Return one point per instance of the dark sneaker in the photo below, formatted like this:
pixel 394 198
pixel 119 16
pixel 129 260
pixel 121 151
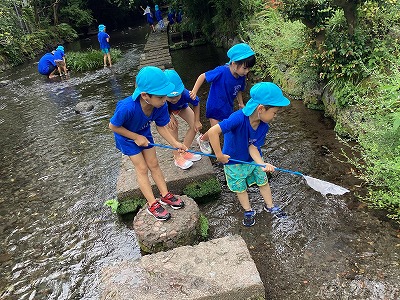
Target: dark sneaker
pixel 249 218
pixel 276 211
pixel 158 212
pixel 171 200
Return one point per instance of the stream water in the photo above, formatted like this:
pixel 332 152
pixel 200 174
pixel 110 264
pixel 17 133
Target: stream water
pixel 57 168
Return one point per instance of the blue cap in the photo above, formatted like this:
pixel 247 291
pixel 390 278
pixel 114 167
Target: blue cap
pixel 152 80
pixel 60 48
pixel 173 77
pixel 265 93
pixel 239 52
pixel 156 7
pixel 102 27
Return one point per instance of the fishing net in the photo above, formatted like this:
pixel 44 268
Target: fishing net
pixel 325 187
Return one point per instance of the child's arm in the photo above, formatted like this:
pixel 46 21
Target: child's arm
pixel 213 135
pixel 139 140
pixel 200 80
pixel 255 155
pixel 164 132
pixel 197 123
pixel 240 99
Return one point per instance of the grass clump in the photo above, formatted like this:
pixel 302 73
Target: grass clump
pixel 89 60
pixel 200 190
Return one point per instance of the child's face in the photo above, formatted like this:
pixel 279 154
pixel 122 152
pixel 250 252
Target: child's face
pixel 241 70
pixel 175 99
pixel 154 100
pixel 267 115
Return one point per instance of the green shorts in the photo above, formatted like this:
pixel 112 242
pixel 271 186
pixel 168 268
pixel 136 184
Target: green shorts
pixel 240 176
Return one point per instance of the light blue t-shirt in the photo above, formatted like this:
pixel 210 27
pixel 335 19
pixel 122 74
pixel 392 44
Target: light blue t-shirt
pixel 239 135
pixel 129 114
pixel 223 91
pixel 183 102
pixel 102 38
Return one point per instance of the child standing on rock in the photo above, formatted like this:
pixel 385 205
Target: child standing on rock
pixel 131 126
pixel 104 41
pixel 178 105
pixel 244 133
pixel 227 83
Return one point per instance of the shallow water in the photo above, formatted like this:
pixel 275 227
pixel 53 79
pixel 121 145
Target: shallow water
pixel 58 167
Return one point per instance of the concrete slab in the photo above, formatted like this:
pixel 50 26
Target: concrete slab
pixel 220 269
pixel 176 178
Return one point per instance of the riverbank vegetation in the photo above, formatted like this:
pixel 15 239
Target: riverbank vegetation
pixel 339 56
pixel 90 59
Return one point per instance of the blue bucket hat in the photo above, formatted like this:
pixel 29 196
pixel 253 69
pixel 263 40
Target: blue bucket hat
pixel 265 93
pixel 173 77
pixel 60 48
pixel 102 27
pixel 239 52
pixel 156 7
pixel 152 80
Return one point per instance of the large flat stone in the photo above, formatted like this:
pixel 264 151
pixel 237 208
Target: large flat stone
pixel 220 269
pixel 176 178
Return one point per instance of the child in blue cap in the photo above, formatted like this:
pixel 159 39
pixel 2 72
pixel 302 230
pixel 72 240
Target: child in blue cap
pixel 159 18
pixel 131 126
pixel 244 133
pixel 178 105
pixel 149 17
pixel 104 41
pixel 227 83
pixel 59 58
pixel 47 66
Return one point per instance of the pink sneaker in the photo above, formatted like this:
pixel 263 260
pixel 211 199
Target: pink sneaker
pixel 191 156
pixel 182 163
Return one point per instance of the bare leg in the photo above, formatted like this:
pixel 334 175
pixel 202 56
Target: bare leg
pixel 142 174
pixel 265 192
pixel 188 115
pixel 244 200
pixel 212 123
pixel 109 58
pixel 105 60
pixel 156 173
pixel 174 133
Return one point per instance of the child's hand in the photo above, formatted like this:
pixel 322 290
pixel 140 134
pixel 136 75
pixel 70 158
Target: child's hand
pixel 223 158
pixel 192 95
pixel 141 141
pixel 197 126
pixel 173 123
pixel 181 147
pixel 268 168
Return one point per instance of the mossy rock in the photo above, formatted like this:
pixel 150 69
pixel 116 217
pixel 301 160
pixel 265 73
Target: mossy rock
pixel 130 205
pixel 201 190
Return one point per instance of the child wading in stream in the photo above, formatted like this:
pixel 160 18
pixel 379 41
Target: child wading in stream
pixel 227 83
pixel 178 105
pixel 131 126
pixel 244 133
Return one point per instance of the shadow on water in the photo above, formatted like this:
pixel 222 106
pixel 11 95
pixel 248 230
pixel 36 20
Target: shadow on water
pixel 58 167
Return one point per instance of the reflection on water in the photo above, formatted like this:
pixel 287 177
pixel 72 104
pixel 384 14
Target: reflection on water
pixel 58 167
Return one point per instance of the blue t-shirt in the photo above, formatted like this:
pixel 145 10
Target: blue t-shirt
pixel 183 102
pixel 102 38
pixel 159 15
pixel 46 64
pixel 171 17
pixel 58 55
pixel 129 114
pixel 239 135
pixel 223 91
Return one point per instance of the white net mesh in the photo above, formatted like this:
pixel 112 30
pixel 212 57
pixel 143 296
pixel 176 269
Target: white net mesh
pixel 325 187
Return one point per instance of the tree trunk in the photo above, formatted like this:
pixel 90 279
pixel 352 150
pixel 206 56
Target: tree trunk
pixel 55 11
pixel 350 13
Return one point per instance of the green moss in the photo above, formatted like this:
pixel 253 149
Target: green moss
pixel 129 206
pixel 203 226
pixel 199 190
